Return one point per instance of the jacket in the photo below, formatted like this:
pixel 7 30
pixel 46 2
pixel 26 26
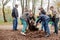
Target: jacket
pixel 15 12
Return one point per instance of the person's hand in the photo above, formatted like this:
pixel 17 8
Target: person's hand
pixel 37 23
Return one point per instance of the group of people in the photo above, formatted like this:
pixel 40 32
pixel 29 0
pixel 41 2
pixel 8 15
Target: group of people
pixel 29 21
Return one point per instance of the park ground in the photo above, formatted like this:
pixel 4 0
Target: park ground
pixel 6 33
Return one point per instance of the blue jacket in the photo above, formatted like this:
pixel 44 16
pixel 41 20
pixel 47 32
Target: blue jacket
pixel 42 17
pixel 15 12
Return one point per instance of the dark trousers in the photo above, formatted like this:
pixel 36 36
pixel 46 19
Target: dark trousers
pixel 55 22
pixel 15 23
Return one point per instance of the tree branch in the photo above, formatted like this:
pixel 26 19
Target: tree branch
pixel 6 2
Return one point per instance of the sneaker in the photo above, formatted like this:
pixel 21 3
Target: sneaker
pixel 47 35
pixel 23 33
pixel 15 29
pixel 55 33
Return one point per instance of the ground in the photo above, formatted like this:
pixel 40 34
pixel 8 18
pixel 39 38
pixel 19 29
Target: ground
pixel 6 33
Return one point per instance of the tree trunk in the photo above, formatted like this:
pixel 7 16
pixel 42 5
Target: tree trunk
pixel 48 5
pixel 5 20
pixel 26 3
pixel 33 6
pixel 41 3
pixel 22 5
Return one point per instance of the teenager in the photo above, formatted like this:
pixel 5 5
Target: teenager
pixel 31 22
pixel 45 20
pixel 15 17
pixel 55 19
pixel 24 21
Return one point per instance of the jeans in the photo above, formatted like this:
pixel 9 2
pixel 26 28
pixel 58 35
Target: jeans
pixel 56 25
pixel 24 25
pixel 42 25
pixel 45 26
pixel 15 23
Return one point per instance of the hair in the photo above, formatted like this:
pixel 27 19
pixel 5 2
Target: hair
pixel 16 5
pixel 43 12
pixel 51 7
pixel 40 8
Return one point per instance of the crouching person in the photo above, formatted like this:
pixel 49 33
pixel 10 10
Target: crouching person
pixel 45 20
pixel 24 21
pixel 31 22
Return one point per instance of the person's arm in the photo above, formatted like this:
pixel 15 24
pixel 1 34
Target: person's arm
pixel 33 18
pixel 13 12
pixel 38 19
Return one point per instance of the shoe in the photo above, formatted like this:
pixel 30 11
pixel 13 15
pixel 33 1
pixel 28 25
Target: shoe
pixel 15 29
pixel 55 33
pixel 47 35
pixel 23 33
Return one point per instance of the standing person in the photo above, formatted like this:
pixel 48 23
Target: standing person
pixel 45 20
pixel 24 21
pixel 15 17
pixel 55 19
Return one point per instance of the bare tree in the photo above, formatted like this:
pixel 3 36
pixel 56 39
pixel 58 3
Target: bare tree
pixel 41 3
pixel 48 5
pixel 33 5
pixel 3 5
pixel 26 3
pixel 22 5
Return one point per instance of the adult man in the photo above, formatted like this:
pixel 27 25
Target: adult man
pixel 15 17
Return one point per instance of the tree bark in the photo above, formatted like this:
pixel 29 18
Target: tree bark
pixel 26 3
pixel 33 6
pixel 48 5
pixel 22 5
pixel 41 3
pixel 4 3
pixel 5 20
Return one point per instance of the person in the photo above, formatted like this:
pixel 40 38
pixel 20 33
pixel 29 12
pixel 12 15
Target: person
pixel 55 19
pixel 42 11
pixel 24 21
pixel 31 22
pixel 45 20
pixel 15 17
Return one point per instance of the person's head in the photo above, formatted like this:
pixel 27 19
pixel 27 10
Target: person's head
pixel 52 8
pixel 30 12
pixel 42 11
pixel 16 5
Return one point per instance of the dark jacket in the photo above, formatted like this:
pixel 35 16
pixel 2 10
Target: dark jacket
pixel 42 17
pixel 15 12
